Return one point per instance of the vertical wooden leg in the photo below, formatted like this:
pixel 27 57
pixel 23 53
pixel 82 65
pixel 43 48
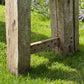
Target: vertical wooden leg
pixel 76 24
pixel 54 22
pixel 18 29
pixel 63 26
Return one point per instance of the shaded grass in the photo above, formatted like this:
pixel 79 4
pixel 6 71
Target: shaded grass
pixel 46 67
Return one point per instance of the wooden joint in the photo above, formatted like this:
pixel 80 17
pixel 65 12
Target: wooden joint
pixel 44 45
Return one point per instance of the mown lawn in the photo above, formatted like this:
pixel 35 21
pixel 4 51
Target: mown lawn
pixel 46 67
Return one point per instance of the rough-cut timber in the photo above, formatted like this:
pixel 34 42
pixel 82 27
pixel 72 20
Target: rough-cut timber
pixel 64 23
pixel 44 45
pixel 54 23
pixel 18 30
pixel 76 24
pixel 53 14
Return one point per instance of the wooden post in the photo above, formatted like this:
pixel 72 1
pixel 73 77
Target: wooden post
pixel 63 17
pixel 54 22
pixel 76 24
pixel 18 30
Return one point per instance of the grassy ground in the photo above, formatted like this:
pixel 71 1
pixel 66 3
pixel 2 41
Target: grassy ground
pixel 46 67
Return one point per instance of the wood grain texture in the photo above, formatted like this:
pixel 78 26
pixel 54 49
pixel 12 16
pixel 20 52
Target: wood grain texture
pixel 44 45
pixel 18 30
pixel 54 21
pixel 53 14
pixel 63 25
pixel 76 24
pixel 65 16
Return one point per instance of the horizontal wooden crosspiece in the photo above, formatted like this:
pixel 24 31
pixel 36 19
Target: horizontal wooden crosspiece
pixel 44 45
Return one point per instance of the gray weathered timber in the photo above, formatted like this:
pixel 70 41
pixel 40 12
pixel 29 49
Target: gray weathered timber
pixel 54 23
pixel 76 24
pixel 64 25
pixel 44 45
pixel 53 14
pixel 18 30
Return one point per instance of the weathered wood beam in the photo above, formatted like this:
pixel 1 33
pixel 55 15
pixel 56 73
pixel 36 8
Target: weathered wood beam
pixel 53 14
pixel 62 13
pixel 44 45
pixel 54 22
pixel 76 24
pixel 18 29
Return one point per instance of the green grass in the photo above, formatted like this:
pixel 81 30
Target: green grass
pixel 46 67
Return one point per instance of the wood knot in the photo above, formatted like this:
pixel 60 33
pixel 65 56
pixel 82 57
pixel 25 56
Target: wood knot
pixel 14 23
pixel 68 2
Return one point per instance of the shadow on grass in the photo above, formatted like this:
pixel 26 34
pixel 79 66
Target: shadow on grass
pixel 37 37
pixel 42 71
pixel 2 32
pixel 72 68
